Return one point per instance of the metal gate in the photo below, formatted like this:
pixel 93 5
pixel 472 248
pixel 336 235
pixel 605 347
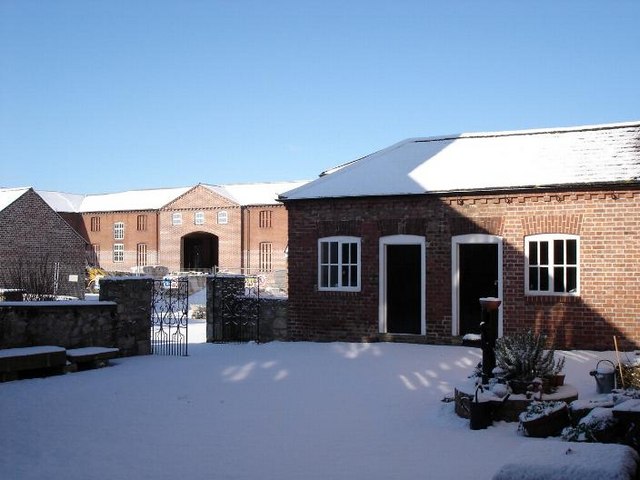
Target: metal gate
pixel 170 316
pixel 236 308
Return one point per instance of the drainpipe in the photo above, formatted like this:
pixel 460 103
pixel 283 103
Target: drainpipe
pixel 245 228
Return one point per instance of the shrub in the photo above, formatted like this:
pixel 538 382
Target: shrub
pixel 524 356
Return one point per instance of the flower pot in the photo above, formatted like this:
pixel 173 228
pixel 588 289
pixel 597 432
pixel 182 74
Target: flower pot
pixel 556 380
pixel 519 387
pixel 549 425
pixel 481 415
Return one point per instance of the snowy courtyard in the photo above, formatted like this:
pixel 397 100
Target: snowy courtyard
pixel 260 411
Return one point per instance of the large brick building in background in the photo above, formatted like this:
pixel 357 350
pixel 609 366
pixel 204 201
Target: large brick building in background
pixel 402 243
pixel 239 227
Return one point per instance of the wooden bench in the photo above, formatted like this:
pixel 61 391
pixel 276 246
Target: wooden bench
pixel 29 362
pixel 91 357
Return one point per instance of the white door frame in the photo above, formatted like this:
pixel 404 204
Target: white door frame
pixel 456 241
pixel 382 307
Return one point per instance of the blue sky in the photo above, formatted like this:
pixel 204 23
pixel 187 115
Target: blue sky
pixel 102 96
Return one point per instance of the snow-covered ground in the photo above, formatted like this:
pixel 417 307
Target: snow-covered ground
pixel 271 411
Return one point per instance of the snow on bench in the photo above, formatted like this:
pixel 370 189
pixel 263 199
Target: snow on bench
pixel 557 460
pixel 31 361
pixel 91 357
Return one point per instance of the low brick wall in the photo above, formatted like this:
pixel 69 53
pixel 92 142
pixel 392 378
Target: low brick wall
pixel 121 319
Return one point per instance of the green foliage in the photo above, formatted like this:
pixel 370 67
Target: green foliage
pixel 537 409
pixel 597 426
pixel 524 356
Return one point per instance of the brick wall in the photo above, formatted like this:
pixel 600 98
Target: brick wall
pixel 201 199
pixel 607 223
pixel 273 232
pixel 34 236
pixel 98 228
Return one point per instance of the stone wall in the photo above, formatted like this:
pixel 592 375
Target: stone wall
pixel 121 319
pixel 272 310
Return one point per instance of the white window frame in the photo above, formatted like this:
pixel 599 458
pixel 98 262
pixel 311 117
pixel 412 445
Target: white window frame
pixel 326 264
pixel 176 218
pixel 223 217
pixel 198 218
pixel 118 231
pixel 551 266
pixel 118 252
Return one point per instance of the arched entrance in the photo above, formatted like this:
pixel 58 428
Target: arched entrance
pixel 199 250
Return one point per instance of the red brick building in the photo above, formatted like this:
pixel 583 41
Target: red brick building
pixel 39 251
pixel 402 243
pixel 238 227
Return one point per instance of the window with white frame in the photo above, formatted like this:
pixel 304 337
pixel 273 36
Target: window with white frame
pixel 552 264
pixel 339 263
pixel 118 252
pixel 176 218
pixel 223 218
pixel 118 231
pixel 198 218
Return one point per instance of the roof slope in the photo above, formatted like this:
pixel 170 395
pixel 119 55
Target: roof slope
pixel 588 155
pixel 247 194
pixel 10 195
pixel 154 199
pixel 132 200
pixel 62 202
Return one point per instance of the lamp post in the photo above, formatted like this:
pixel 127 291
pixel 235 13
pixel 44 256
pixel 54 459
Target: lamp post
pixel 488 335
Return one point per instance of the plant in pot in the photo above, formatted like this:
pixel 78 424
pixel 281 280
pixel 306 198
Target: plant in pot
pixel 544 419
pixel 556 377
pixel 524 357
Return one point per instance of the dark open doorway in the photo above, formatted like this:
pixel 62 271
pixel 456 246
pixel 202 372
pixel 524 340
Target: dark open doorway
pixel 478 265
pixel 199 251
pixel 403 284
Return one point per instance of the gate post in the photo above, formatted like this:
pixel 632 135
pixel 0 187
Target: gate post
pixel 232 314
pixel 133 296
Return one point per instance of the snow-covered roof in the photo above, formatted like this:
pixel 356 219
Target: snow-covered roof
pixel 597 154
pixel 62 202
pixel 247 194
pixel 152 199
pixel 10 195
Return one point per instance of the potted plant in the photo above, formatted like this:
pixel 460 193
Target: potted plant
pixel 524 357
pixel 544 418
pixel 556 376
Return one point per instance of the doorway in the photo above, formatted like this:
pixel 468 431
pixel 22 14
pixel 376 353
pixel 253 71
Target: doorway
pixel 477 272
pixel 402 303
pixel 199 251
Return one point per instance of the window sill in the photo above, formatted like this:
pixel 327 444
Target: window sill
pixel 551 299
